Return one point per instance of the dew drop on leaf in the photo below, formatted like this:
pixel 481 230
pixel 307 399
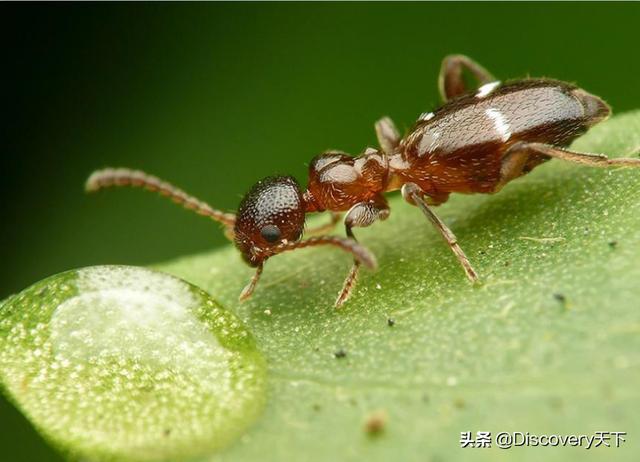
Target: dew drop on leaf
pixel 124 363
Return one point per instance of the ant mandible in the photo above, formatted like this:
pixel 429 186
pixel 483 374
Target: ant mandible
pixel 476 142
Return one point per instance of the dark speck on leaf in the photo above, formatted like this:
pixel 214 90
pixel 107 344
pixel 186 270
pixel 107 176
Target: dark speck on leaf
pixel 560 297
pixel 556 403
pixel 340 353
pixel 316 407
pixel 391 322
pixel 612 244
pixel 375 423
pixel 459 403
pixel 167 432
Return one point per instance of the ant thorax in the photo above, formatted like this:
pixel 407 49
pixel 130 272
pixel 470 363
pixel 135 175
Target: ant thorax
pixel 337 181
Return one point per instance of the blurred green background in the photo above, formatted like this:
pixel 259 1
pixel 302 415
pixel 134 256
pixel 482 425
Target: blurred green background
pixel 216 96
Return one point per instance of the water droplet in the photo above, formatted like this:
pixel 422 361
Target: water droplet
pixel 122 362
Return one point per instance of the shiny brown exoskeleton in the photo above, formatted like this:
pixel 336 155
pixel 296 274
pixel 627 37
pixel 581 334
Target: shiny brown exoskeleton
pixel 477 142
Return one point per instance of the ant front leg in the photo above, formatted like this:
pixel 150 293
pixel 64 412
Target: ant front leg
pixel 414 195
pixel 361 215
pixel 451 80
pixel 250 287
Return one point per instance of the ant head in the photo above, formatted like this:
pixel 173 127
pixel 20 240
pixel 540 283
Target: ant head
pixel 270 214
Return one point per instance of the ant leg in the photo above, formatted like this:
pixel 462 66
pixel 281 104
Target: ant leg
pixel 584 158
pixel 327 227
pixel 513 164
pixel 248 289
pixel 451 81
pixel 437 198
pixel 413 194
pixel 360 215
pixel 110 177
pixel 388 135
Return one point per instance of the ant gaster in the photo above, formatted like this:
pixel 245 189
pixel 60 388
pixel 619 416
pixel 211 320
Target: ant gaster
pixel 476 142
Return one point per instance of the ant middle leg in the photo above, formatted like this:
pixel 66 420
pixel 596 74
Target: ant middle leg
pixel 513 166
pixel 414 195
pixel 327 227
pixel 360 215
pixel 451 80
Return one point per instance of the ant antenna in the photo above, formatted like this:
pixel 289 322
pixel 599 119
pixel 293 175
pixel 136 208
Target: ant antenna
pixel 110 177
pixel 360 253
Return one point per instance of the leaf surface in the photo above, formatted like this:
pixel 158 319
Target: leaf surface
pixel 548 343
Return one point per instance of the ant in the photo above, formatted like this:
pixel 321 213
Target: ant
pixel 476 142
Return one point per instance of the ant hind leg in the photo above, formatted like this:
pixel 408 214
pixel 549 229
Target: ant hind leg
pixel 451 80
pixel 584 158
pixel 414 195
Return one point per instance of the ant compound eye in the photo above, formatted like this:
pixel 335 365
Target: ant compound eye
pixel 270 233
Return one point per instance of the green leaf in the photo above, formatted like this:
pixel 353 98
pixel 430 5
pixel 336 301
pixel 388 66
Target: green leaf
pixel 547 344
pixel 121 363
